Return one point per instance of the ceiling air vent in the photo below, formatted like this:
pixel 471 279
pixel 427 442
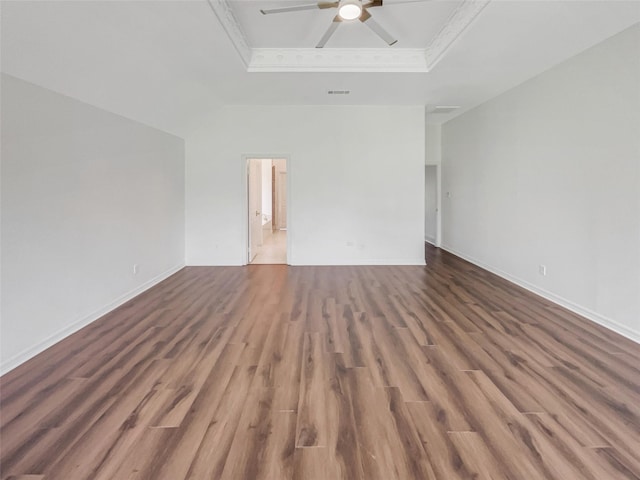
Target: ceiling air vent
pixel 338 92
pixel 444 108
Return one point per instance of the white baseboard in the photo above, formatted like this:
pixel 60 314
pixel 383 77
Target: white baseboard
pixel 317 262
pixel 31 352
pixel 430 240
pixel 552 297
pixel 357 262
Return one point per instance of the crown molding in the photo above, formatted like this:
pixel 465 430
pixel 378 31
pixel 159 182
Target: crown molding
pixel 337 60
pixel 455 25
pixel 420 60
pixel 234 30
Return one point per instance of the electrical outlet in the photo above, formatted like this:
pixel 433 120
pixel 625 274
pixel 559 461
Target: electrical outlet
pixel 135 268
pixel 542 270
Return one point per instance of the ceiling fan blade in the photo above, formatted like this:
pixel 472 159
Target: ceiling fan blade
pixel 396 2
pixel 330 31
pixel 297 8
pixel 368 20
pixel 322 5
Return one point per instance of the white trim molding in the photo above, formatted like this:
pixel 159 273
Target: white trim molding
pixel 31 352
pixel 457 23
pixel 409 60
pixel 420 262
pixel 552 297
pixel 224 12
pixel 390 59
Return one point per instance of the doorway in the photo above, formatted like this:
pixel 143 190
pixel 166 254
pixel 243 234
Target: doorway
pixel 267 210
pixel 431 209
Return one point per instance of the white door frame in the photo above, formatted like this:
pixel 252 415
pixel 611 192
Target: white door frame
pixel 244 175
pixel 254 223
pixel 439 204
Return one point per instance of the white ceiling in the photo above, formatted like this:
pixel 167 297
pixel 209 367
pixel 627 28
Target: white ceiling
pixel 169 64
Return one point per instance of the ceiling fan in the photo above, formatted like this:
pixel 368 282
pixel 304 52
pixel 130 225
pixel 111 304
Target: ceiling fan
pixel 348 11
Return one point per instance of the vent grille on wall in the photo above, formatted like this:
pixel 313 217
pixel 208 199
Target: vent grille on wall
pixel 338 92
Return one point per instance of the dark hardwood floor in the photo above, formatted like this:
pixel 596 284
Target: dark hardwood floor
pixel 273 372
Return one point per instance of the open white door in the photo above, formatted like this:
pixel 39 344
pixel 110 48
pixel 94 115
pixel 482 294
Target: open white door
pixel 254 173
pixel 282 201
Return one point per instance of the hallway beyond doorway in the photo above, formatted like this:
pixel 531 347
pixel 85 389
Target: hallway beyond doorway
pixel 267 210
pixel 273 248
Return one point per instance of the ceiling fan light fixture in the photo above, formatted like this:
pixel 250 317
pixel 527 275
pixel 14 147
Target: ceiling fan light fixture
pixel 350 9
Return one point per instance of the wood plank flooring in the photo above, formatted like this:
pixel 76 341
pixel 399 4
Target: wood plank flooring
pixel 272 372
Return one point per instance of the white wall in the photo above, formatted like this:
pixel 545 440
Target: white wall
pixel 549 173
pixel 85 195
pixel 433 146
pixel 356 177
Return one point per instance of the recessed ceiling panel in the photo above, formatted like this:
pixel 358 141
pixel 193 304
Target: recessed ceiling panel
pixel 395 36
pixel 414 25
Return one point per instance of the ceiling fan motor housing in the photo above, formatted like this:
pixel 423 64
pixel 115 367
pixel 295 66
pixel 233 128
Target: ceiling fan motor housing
pixel 350 9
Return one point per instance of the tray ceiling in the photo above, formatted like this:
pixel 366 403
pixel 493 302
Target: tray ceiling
pixel 285 42
pixel 170 64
